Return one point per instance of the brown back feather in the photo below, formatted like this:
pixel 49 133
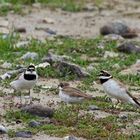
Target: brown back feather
pixel 75 92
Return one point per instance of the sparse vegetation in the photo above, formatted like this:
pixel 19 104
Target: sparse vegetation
pixel 76 119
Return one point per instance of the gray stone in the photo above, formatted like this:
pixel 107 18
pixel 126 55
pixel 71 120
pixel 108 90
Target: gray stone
pixel 30 55
pixel 50 31
pixel 38 110
pixel 123 116
pixel 128 47
pixel 34 123
pixel 6 65
pixel 119 28
pixel 52 58
pixel 24 134
pixel 62 65
pixel 72 68
pixel 70 138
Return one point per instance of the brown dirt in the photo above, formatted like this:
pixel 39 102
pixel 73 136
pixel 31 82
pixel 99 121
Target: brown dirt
pixel 81 24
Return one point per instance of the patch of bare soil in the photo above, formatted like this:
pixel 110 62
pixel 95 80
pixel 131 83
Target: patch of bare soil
pixel 82 24
pixel 40 22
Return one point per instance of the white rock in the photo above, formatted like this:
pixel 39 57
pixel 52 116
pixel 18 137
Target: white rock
pixel 42 65
pixel 3 129
pixel 48 20
pixel 113 37
pixel 36 5
pixel 91 67
pixel 4 30
pixel 30 55
pixel 21 44
pixel 4 23
pixel 47 87
pixel 6 65
pixel 5 76
pixel 138 61
pixel 110 54
pixel 101 46
pixel 116 66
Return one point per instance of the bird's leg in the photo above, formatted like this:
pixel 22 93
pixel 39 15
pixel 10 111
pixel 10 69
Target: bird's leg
pixel 20 98
pixel 107 99
pixel 30 98
pixel 12 101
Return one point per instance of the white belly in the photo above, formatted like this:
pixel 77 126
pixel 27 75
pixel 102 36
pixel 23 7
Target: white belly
pixel 22 84
pixel 68 99
pixel 113 89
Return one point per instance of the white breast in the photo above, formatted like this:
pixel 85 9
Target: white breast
pixel 113 89
pixel 69 99
pixel 22 84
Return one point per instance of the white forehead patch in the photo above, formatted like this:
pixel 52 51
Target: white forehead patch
pixel 105 77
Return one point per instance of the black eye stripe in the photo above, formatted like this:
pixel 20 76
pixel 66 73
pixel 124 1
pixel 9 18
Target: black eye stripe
pixel 30 69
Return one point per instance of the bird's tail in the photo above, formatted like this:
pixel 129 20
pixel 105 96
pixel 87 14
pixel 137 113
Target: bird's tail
pixel 89 97
pixel 135 102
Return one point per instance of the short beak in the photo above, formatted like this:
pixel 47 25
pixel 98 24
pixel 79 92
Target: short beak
pixel 31 71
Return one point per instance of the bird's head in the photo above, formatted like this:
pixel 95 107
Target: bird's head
pixel 104 76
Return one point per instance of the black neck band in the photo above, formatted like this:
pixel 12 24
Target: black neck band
pixel 29 77
pixel 104 80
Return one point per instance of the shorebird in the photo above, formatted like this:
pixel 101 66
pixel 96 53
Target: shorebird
pixel 71 95
pixel 26 81
pixel 116 89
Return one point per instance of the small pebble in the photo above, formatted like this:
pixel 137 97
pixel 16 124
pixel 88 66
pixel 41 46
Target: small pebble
pixel 3 129
pixel 34 123
pixel 123 116
pixel 70 138
pixel 20 30
pixel 21 44
pixel 6 65
pixel 93 107
pixel 110 54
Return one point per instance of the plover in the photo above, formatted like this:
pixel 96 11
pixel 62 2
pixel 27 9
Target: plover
pixel 116 89
pixel 71 95
pixel 26 81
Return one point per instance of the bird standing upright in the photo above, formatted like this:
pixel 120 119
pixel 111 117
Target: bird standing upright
pixel 116 89
pixel 26 81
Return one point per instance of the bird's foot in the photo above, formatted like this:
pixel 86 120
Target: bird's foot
pixel 108 99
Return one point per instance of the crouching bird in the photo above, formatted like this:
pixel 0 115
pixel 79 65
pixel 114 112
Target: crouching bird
pixel 71 95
